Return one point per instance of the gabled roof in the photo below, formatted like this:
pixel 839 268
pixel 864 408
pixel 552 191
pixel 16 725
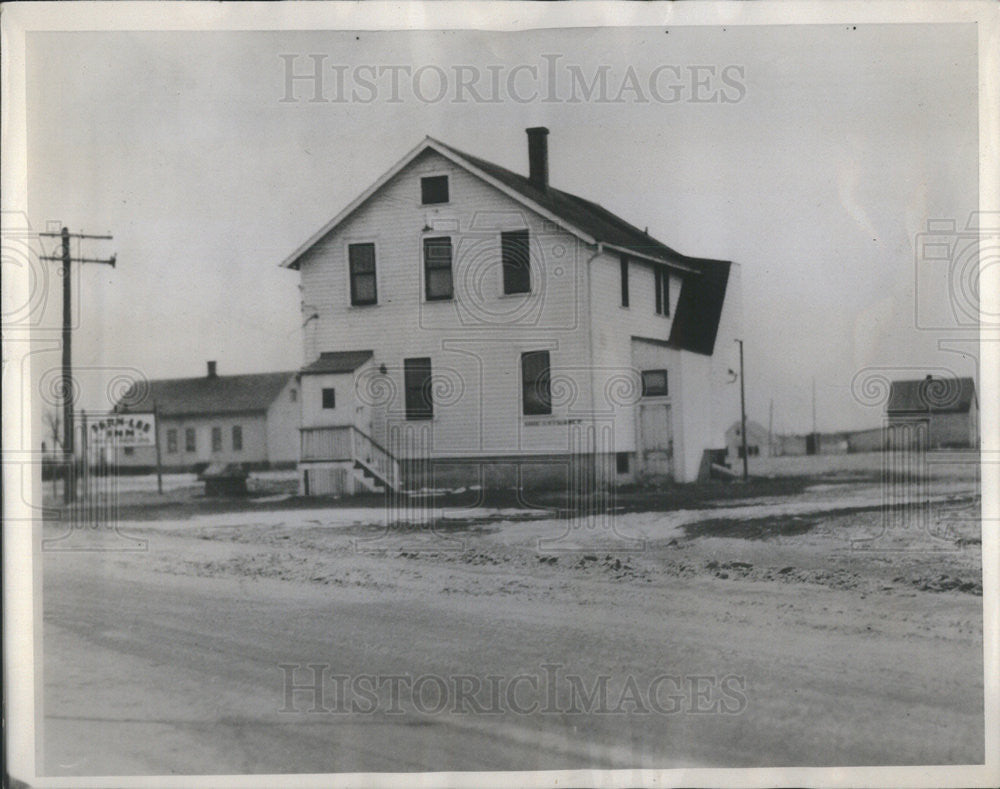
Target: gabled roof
pixel 594 220
pixel 221 394
pixel 934 394
pixel 337 362
pixel 699 307
pixel 755 430
pixel 587 220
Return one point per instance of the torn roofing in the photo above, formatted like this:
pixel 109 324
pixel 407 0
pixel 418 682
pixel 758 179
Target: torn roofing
pixel 223 394
pixel 935 394
pixel 337 362
pixel 699 307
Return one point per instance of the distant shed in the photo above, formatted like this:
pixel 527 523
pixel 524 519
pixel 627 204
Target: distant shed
pixel 945 409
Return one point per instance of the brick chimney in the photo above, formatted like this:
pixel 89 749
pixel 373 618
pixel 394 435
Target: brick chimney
pixel 538 156
pixel 211 370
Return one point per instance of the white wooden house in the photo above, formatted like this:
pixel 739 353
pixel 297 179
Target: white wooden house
pixel 471 326
pixel 250 419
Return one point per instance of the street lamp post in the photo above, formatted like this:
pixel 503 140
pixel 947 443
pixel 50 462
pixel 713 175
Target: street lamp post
pixel 743 418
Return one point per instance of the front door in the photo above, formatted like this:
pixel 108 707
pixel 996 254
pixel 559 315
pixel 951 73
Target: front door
pixel 656 439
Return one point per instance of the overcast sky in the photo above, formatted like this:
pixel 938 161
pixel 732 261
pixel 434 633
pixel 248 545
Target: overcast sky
pixel 832 148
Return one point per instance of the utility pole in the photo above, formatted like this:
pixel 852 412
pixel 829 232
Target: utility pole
pixel 770 428
pixel 69 484
pixel 743 417
pixel 814 405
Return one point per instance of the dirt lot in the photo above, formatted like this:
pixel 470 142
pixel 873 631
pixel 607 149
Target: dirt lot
pixel 847 620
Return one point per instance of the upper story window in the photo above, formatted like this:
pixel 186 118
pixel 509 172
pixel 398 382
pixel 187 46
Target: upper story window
pixel 624 276
pixel 536 384
pixel 434 189
pixel 662 286
pixel 654 383
pixel 437 268
pixel 329 398
pixel 417 385
pixel 293 395
pixel 361 259
pixel 516 262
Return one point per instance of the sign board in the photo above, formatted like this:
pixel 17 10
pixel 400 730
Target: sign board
pixel 122 430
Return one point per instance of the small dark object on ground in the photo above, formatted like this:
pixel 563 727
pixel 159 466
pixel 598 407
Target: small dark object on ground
pixel 225 479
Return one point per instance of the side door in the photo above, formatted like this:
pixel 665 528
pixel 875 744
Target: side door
pixel 656 439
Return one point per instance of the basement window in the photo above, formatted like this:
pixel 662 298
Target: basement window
pixel 654 383
pixel 434 189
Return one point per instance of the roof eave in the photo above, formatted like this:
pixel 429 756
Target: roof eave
pixel 651 259
pixel 292 261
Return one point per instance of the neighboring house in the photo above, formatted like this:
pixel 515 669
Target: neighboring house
pixel 758 441
pixel 471 326
pixel 247 419
pixel 935 412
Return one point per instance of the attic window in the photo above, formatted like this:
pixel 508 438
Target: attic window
pixel 434 189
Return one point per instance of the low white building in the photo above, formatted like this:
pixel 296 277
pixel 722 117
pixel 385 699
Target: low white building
pixel 251 420
pixel 469 325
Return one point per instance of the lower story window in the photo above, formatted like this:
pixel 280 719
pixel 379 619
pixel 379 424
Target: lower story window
pixel 417 385
pixel 536 387
pixel 654 383
pixel 171 441
pixel 237 438
pixel 621 462
pixel 216 439
pixel 190 444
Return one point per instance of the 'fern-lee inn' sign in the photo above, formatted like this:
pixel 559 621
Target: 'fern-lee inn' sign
pixel 124 430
